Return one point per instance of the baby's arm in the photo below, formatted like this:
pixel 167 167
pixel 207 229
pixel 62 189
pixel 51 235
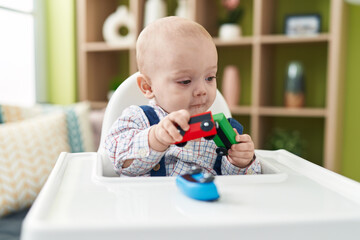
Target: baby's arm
pixel 134 147
pixel 165 132
pixel 242 156
pixel 127 144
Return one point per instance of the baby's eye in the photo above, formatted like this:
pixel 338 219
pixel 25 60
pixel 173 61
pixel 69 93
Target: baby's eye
pixel 209 79
pixel 185 82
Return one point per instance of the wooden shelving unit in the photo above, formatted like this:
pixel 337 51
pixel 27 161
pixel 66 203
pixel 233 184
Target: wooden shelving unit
pixel 278 39
pixel 241 42
pixel 104 47
pixel 261 55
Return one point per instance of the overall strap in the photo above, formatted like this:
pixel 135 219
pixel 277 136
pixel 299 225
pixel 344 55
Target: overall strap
pixel 154 119
pixel 235 124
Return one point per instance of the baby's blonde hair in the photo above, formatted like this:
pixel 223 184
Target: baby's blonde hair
pixel 168 29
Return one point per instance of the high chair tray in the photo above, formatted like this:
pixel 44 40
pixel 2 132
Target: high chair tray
pixel 292 199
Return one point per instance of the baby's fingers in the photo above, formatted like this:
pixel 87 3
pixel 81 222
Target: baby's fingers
pixel 243 147
pixel 242 137
pixel 235 154
pixel 181 118
pixel 172 131
pixel 240 159
pixel 162 135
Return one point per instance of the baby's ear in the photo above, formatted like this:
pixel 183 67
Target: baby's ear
pixel 145 86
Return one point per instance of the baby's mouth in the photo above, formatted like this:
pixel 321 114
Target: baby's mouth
pixel 197 105
pixel 198 108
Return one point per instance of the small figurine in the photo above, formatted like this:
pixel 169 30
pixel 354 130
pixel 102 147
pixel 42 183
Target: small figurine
pixel 198 185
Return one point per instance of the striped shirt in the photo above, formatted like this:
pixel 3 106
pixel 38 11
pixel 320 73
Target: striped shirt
pixel 128 139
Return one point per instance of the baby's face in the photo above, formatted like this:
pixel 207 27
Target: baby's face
pixel 186 76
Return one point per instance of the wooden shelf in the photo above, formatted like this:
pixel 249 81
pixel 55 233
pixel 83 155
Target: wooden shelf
pixel 261 56
pixel 292 112
pixel 238 42
pixel 272 39
pixel 241 110
pixel 104 47
pixel 277 39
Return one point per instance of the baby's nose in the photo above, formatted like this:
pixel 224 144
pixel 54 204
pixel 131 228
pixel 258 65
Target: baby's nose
pixel 200 89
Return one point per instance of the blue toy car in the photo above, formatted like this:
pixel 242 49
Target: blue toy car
pixel 198 185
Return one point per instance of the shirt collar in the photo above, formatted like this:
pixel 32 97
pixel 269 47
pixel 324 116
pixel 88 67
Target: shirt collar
pixel 153 104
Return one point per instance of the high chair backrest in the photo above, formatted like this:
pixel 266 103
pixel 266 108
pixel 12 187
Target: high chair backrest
pixel 128 93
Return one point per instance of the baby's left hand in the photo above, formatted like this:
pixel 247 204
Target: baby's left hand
pixel 241 153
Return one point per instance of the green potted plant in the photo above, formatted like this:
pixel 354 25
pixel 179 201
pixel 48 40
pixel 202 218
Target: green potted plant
pixel 286 139
pixel 230 24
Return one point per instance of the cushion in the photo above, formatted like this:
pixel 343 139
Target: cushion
pixel 29 149
pixel 31 139
pixel 9 113
pixel 80 135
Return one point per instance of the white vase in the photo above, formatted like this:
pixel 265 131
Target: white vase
pixel 231 85
pixel 112 24
pixel 229 31
pixel 154 9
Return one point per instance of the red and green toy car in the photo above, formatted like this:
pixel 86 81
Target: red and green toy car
pixel 209 126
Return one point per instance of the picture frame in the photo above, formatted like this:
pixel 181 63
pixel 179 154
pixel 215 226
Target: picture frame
pixel 302 25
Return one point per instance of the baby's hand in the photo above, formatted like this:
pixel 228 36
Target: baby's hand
pixel 166 132
pixel 241 153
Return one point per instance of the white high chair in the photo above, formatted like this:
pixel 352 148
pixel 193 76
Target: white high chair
pixel 128 93
pixel 291 199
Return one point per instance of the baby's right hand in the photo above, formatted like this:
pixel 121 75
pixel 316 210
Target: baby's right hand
pixel 166 132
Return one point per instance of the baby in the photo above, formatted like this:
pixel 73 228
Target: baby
pixel 177 61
